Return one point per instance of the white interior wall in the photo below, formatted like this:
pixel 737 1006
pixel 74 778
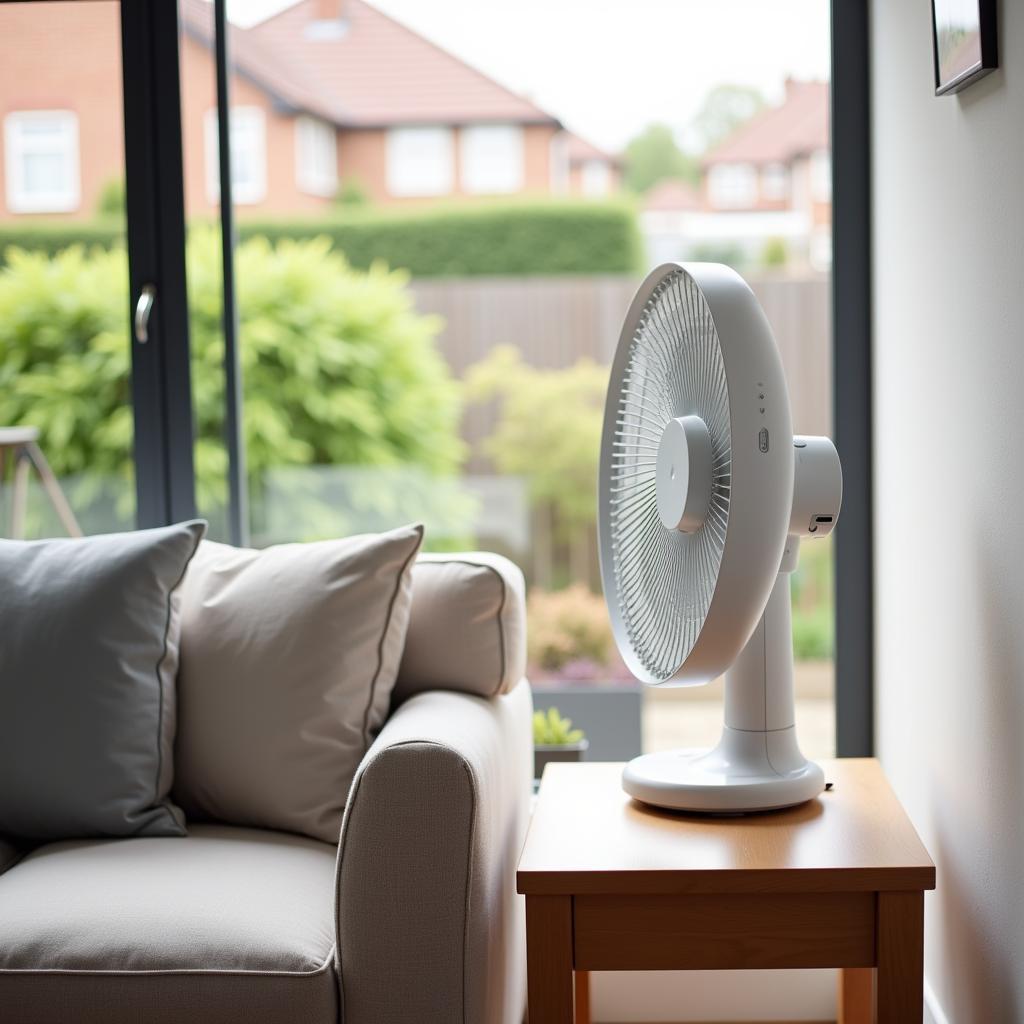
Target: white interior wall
pixel 948 312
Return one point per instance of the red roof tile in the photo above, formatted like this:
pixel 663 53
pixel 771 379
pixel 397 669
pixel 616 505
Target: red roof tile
pixel 580 151
pixel 371 71
pixel 778 134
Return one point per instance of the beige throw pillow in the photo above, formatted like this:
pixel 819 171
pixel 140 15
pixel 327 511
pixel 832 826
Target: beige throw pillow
pixel 288 660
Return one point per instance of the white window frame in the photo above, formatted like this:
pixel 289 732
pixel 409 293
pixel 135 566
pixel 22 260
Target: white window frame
pixel 407 182
pixel 559 163
pixel 733 186
pixel 774 182
pixel 241 119
pixel 821 175
pixel 595 178
pixel 483 168
pixel 316 156
pixel 20 197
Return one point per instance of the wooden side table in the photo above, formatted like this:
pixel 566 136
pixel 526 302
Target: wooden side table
pixel 613 885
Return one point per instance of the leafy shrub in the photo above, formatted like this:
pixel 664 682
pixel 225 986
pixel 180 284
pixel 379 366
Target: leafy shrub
pixel 352 193
pixel 338 368
pixel 548 429
pixel 111 199
pixel 813 633
pixel 813 602
pixel 567 626
pixel 552 730
pixel 52 238
pixel 440 241
pixel 775 253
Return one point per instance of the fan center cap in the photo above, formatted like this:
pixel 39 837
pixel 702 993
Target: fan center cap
pixel 684 474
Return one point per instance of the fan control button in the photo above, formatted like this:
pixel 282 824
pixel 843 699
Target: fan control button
pixel 762 439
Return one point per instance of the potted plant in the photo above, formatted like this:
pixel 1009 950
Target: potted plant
pixel 555 739
pixel 574 666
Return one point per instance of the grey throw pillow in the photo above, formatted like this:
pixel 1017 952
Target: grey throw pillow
pixel 88 654
pixel 288 659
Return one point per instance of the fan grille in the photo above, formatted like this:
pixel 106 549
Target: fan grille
pixel 664 579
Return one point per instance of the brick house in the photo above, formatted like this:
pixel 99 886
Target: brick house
pixel 326 94
pixel 770 179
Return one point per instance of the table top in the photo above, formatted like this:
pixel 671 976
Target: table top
pixel 588 836
pixel 10 436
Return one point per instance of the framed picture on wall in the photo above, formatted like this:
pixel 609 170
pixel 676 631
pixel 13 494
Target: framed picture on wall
pixel 964 40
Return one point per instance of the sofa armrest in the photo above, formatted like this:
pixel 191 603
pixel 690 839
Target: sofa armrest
pixel 429 926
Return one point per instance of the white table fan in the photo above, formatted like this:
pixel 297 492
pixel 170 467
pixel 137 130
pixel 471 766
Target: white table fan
pixel 704 496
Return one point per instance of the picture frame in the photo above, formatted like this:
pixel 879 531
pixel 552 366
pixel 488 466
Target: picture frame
pixel 964 43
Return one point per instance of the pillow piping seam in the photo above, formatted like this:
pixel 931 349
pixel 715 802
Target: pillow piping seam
pixel 162 804
pixel 384 634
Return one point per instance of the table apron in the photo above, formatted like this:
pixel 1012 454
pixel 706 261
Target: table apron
pixel 724 931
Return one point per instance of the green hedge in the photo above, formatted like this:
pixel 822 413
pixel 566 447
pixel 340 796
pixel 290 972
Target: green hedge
pixel 495 239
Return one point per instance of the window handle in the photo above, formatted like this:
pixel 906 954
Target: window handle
pixel 142 310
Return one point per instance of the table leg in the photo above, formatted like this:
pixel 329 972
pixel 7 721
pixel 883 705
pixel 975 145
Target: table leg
pixel 899 981
pixel 582 988
pixel 856 1002
pixel 549 959
pixel 19 495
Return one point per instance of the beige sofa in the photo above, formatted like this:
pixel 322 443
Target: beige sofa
pixel 412 917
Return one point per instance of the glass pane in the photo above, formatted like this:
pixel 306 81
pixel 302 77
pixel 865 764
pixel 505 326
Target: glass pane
pixel 65 382
pixel 415 349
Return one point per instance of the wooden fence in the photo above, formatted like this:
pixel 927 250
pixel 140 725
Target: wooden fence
pixel 555 321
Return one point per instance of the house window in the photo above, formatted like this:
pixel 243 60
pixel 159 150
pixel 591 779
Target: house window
pixel 774 181
pixel 420 161
pixel 595 178
pixel 732 185
pixel 491 158
pixel 248 134
pixel 559 157
pixel 41 150
pixel 821 176
pixel 316 156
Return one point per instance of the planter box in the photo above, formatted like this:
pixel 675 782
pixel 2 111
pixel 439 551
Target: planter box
pixel 543 754
pixel 610 715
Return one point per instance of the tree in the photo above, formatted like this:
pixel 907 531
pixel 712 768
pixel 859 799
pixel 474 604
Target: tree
pixel 724 109
pixel 338 368
pixel 548 429
pixel 653 156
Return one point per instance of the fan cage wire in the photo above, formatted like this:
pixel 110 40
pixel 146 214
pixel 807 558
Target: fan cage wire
pixel 665 579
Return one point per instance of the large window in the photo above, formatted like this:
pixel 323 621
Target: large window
pixel 41 150
pixel 420 161
pixel 774 182
pixel 595 178
pixel 732 185
pixel 248 155
pixel 491 158
pixel 375 396
pixel 559 157
pixel 821 176
pixel 316 156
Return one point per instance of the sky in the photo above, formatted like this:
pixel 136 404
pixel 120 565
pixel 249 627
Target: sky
pixel 606 69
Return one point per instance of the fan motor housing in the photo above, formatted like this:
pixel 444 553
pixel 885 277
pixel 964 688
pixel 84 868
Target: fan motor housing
pixel 684 474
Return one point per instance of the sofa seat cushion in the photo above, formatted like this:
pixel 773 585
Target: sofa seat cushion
pixel 226 924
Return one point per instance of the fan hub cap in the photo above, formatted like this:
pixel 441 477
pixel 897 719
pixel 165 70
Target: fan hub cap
pixel 684 474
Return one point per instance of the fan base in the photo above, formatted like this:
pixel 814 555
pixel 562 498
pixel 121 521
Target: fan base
pixel 747 771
